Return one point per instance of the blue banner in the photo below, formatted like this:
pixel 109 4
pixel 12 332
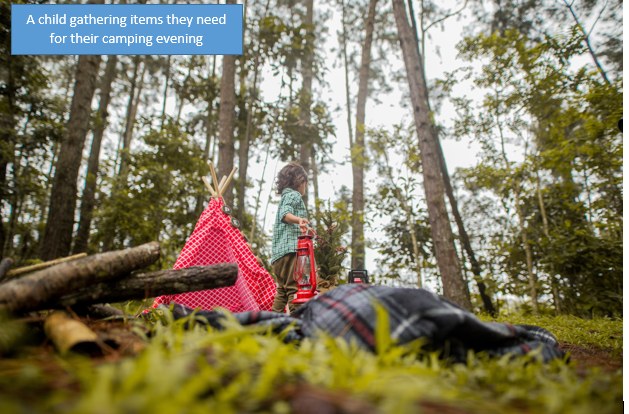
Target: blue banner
pixel 121 29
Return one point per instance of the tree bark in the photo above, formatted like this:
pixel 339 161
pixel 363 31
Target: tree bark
pixel 358 149
pixel 29 292
pixel 148 285
pixel 464 237
pixel 532 277
pixel 132 110
pixel 243 151
pixel 99 311
pixel 226 121
pixel 165 93
pixel 306 90
pixel 542 210
pixel 89 191
pixel 58 232
pixel 184 88
pixel 208 154
pixel 245 138
pixel 260 185
pixel 315 182
pixel 454 287
pixel 5 264
pixel 410 221
pixel 348 101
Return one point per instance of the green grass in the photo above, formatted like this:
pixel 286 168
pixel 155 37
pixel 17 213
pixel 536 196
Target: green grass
pixel 246 370
pixel 598 332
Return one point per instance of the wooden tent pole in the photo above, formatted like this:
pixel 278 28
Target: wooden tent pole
pixel 214 179
pixel 209 187
pixel 220 185
pixel 222 189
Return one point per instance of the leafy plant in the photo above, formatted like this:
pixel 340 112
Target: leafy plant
pixel 332 224
pixel 187 367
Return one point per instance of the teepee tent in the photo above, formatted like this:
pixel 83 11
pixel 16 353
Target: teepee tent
pixel 217 239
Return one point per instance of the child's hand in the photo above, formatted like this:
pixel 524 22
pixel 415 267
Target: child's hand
pixel 303 224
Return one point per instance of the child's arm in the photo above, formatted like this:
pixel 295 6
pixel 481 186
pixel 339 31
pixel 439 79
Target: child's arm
pixel 290 218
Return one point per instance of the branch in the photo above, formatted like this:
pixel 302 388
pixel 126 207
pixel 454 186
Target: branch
pixel 28 269
pixel 598 17
pixel 30 291
pixel 586 38
pixel 147 285
pixel 447 16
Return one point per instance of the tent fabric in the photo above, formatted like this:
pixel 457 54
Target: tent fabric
pixel 350 312
pixel 215 240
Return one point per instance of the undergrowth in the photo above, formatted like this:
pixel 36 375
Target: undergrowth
pixel 195 369
pixel 602 333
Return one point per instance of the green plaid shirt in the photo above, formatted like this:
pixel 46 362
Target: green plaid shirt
pixel 284 234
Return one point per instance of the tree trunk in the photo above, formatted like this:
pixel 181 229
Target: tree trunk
pixel 15 202
pixel 5 265
pixel 28 292
pixel 553 276
pixel 410 221
pixel 465 240
pixel 7 138
pixel 58 232
pixel 209 140
pixel 132 110
pixel 245 139
pixel 165 93
pixel 184 88
pixel 358 149
pixel 306 90
pixel 89 191
pixel 464 237
pixel 148 285
pixel 124 150
pixel 315 182
pixel 532 277
pixel 454 287
pixel 226 121
pixel 515 188
pixel 348 101
pixel 243 153
pixel 261 183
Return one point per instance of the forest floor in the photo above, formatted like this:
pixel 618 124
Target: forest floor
pixel 586 357
pixel 125 370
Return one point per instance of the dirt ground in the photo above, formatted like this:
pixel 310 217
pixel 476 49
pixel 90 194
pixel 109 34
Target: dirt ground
pixel 590 357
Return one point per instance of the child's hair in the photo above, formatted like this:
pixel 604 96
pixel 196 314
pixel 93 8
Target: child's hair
pixel 291 176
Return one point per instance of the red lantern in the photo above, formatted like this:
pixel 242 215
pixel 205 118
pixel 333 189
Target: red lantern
pixel 305 272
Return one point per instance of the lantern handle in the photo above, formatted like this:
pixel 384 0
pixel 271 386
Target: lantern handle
pixel 310 230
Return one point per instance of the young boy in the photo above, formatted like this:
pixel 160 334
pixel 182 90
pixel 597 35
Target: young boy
pixel 290 222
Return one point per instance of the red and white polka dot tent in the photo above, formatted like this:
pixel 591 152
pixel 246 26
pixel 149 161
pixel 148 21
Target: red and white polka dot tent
pixel 216 239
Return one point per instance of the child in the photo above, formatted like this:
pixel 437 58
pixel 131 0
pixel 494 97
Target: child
pixel 290 222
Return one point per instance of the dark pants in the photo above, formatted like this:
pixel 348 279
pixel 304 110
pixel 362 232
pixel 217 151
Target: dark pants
pixel 286 285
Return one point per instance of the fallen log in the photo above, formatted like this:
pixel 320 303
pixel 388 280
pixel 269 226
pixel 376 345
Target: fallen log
pixel 31 291
pixel 28 269
pixel 71 335
pixel 148 285
pixel 100 311
pixel 5 265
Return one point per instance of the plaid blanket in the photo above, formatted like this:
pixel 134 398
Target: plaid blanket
pixel 349 312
